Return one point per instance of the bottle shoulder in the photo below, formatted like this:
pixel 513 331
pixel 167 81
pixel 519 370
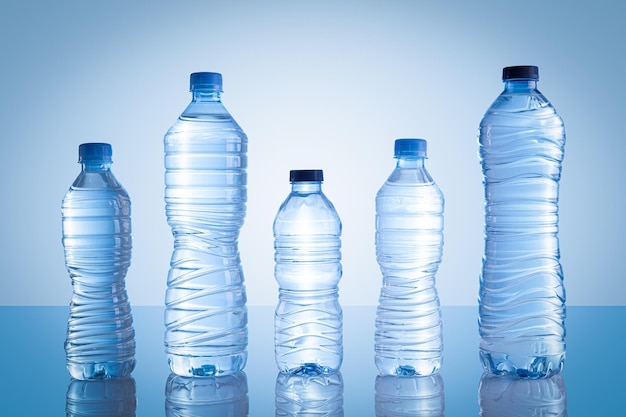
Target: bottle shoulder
pixel 103 181
pixel 301 209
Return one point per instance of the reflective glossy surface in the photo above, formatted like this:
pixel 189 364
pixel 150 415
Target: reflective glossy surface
pixel 35 381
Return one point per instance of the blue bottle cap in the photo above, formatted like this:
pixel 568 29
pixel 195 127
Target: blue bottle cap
pixel 95 152
pixel 302 175
pixel 205 81
pixel 410 148
pixel 520 72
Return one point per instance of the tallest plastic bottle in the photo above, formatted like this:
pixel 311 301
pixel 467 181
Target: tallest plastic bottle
pixel 205 202
pixel 522 298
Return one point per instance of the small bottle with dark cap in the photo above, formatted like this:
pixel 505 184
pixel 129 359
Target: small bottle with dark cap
pixel 307 241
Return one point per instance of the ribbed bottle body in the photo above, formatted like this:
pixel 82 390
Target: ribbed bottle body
pixel 522 297
pixel 308 319
pixel 205 201
pixel 97 241
pixel 409 247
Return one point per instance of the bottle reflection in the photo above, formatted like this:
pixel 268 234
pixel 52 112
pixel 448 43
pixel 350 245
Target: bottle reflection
pixel 508 396
pixel 309 395
pixel 409 396
pixel 115 397
pixel 217 396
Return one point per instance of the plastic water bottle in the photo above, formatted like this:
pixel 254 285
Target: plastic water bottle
pixel 409 245
pixel 307 242
pixel 97 241
pixel 510 396
pixel 309 395
pixel 415 396
pixel 102 398
pixel 205 201
pixel 522 298
pixel 224 395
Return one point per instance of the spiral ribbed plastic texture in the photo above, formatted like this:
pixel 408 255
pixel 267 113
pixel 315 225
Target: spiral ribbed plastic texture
pixel 522 298
pixel 409 247
pixel 308 320
pixel 97 242
pixel 205 202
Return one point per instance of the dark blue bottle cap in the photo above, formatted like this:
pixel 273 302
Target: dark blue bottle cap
pixel 95 152
pixel 407 148
pixel 205 81
pixel 520 72
pixel 302 175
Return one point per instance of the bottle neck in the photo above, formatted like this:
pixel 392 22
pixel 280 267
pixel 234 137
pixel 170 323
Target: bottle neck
pixel 520 85
pixel 207 95
pixel 306 187
pixel 96 166
pixel 410 163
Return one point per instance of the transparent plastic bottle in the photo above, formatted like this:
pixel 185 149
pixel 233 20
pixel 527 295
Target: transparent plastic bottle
pixel 522 298
pixel 205 202
pixel 97 241
pixel 409 246
pixel 307 242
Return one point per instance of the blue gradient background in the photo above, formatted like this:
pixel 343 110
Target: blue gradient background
pixel 319 84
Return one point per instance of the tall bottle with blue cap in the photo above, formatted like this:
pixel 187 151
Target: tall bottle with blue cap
pixel 409 247
pixel 308 324
pixel 97 240
pixel 205 202
pixel 522 297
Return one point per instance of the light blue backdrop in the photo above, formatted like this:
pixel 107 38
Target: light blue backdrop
pixel 315 84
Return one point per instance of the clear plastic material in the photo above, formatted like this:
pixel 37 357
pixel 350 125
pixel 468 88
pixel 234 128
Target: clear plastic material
pixel 307 242
pixel 205 201
pixel 409 248
pixel 97 241
pixel 522 298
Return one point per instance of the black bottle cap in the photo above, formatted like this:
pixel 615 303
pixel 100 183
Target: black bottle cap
pixel 520 72
pixel 302 175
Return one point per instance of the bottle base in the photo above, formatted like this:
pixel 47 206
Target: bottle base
pixel 397 367
pixel 207 366
pixel 309 369
pixel 100 370
pixel 528 367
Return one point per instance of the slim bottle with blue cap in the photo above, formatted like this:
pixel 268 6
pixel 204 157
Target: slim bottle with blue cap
pixel 97 241
pixel 308 322
pixel 409 246
pixel 205 201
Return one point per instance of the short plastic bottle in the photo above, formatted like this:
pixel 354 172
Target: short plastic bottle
pixel 205 202
pixel 307 242
pixel 522 297
pixel 97 240
pixel 409 249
